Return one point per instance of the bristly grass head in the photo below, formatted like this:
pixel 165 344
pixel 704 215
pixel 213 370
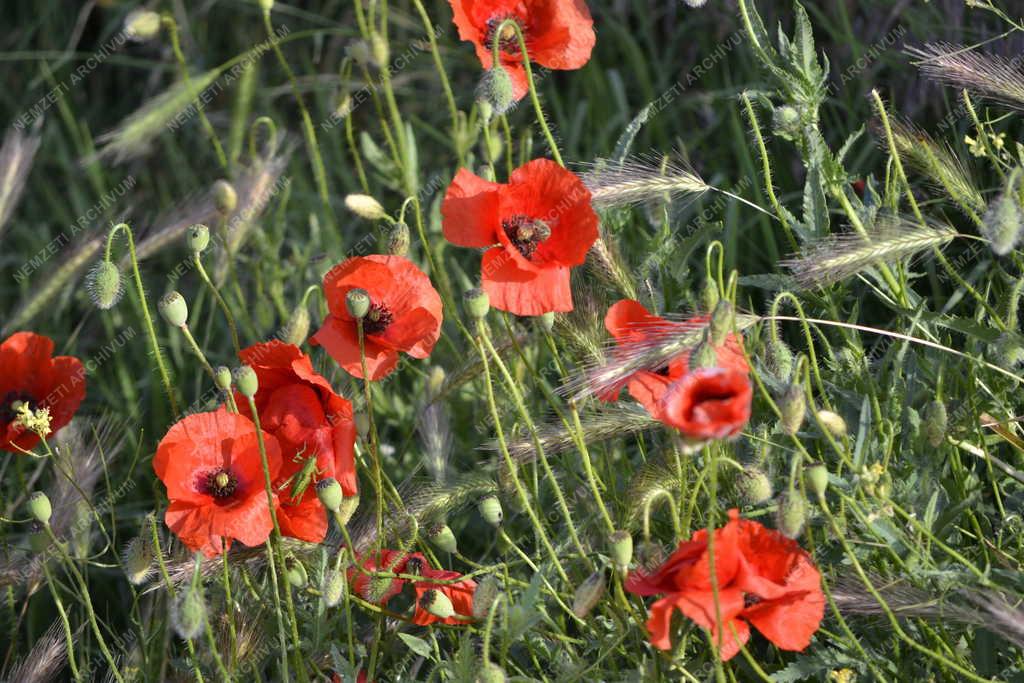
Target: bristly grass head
pixel 16 155
pixel 843 255
pixel 641 178
pixel 44 661
pixel 614 421
pixel 960 66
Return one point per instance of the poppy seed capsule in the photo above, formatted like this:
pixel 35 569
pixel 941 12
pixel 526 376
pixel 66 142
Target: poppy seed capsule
pixel 793 407
pixel 266 5
pixel 174 309
pixel 40 508
pixel 722 320
pixel 198 238
pixel 330 494
pixel 547 321
pixel 621 547
pixel 357 301
pixel 934 424
pixel 491 673
pixel 486 593
pixel 333 587
pixel 188 613
pixel 142 25
pixel 365 206
pixel 490 509
pixel 478 304
pixel 398 239
pixel 816 477
pixel 295 572
pixel 442 536
pixel 833 422
pixel 753 486
pixel 495 91
pixel 791 514
pixel 438 604
pixel 588 594
pixel 222 378
pixel 225 198
pixel 104 285
pixel 246 381
pixel 349 505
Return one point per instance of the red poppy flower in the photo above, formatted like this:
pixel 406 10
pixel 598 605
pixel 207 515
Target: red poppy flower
pixel 459 592
pixel 405 314
pixel 559 34
pixel 708 403
pixel 381 590
pixel 630 323
pixel 540 224
pixel 361 677
pixel 30 374
pixel 298 407
pixel 211 466
pixel 763 579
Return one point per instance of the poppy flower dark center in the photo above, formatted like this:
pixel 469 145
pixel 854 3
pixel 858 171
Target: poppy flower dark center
pixel 750 599
pixel 507 40
pixel 377 319
pixel 526 233
pixel 11 402
pixel 414 566
pixel 221 483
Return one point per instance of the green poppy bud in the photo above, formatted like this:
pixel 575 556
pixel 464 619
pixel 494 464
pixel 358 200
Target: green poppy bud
pixel 188 613
pixel 266 5
pixel 362 420
pixel 793 405
pixel 138 560
pixel 791 514
pixel 222 378
pixel 935 422
pixel 486 593
pixel 435 381
pixel 295 572
pixel 779 359
pixel 588 594
pixel 330 494
pixel 40 508
pixel 490 509
pixel 442 536
pixel 141 25
pixel 398 239
pixel 722 320
pixel 753 486
pixel 246 381
pixel 495 90
pixel 709 295
pixel 296 330
pixel 224 197
pixel 786 122
pixel 105 285
pixel 547 321
pixel 198 238
pixel 174 309
pixel 816 477
pixel 365 206
pixel 357 301
pixel 438 604
pixel 621 547
pixel 478 304
pixel 490 673
pixel 334 587
pixel 833 422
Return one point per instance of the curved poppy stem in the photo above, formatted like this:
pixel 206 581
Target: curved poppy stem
pixel 378 479
pixel 531 86
pixel 220 300
pixel 147 319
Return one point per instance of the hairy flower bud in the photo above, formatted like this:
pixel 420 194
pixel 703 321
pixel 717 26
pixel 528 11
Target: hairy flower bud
pixel 398 239
pixel 588 594
pixel 490 673
pixel 105 285
pixel 786 122
pixel 141 25
pixel 296 329
pixel 495 91
pixel 486 593
pixel 39 507
pixel 295 572
pixel 1004 219
pixel 779 359
pixel 225 198
pixel 365 206
pixel 753 486
pixel 704 355
pixel 349 505
pixel 833 422
pixel 478 304
pixel 791 514
pixel 138 559
pixel 793 406
pixel 490 509
pixel 722 320
pixel 188 613
pixel 935 422
pixel 709 294
pixel 621 547
pixel 816 477
pixel 438 604
pixel 334 586
pixel 174 309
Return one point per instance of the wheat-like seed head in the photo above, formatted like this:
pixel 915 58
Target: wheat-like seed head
pixel 960 66
pixel 936 162
pixel 43 662
pixel 843 255
pixel 640 179
pixel 16 155
pixel 617 420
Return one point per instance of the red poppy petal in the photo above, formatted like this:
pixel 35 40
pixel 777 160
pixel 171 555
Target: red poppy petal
pixel 575 29
pixel 649 388
pixel 341 341
pixel 305 520
pixel 470 211
pixel 659 623
pixel 524 292
pixel 628 319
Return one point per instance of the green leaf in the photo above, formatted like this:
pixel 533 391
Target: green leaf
pixel 417 645
pixel 626 139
